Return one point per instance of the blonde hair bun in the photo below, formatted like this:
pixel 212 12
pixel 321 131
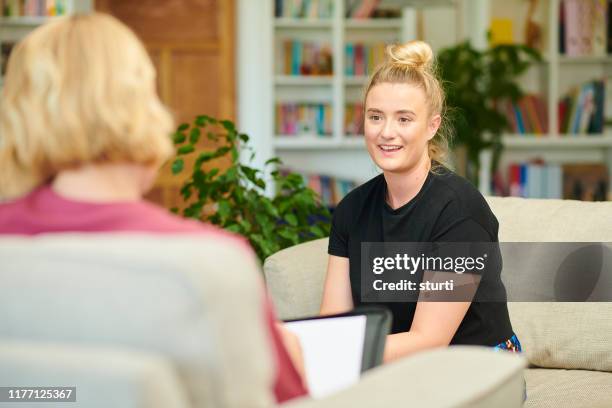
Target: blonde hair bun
pixel 414 54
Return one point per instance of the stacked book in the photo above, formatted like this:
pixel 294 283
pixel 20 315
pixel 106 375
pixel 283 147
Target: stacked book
pixel 353 119
pixel 573 181
pixel 306 58
pixel 361 59
pixel 303 119
pixel 582 109
pixel 583 29
pixel 311 9
pixel 330 189
pixel 528 116
pixel 35 8
pixel 535 180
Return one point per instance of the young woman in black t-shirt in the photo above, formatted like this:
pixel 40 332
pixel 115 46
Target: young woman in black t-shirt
pixel 415 199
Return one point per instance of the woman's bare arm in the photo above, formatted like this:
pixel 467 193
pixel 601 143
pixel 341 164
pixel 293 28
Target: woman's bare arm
pixel 337 296
pixel 434 325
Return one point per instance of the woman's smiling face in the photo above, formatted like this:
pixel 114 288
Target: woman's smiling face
pixel 398 126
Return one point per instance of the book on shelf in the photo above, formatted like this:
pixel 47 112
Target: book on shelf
pixel 501 31
pixel 306 58
pixel 582 109
pixel 307 9
pixel 527 116
pixel 361 59
pixel 583 28
pixel 304 119
pixel 330 189
pixel 587 182
pixel 35 8
pixel 353 118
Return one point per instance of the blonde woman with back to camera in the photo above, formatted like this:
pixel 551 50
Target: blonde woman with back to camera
pixel 415 199
pixel 82 134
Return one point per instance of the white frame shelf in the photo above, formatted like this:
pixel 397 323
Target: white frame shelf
pixel 557 142
pixel 373 24
pixel 261 87
pixel 25 21
pixel 304 80
pixel 318 23
pixel 317 142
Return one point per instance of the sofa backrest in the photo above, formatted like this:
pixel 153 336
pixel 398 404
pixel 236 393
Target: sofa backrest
pixel 540 220
pixel 571 335
pixel 191 300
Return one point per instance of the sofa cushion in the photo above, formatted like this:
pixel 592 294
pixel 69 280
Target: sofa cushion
pixel 549 388
pixel 564 334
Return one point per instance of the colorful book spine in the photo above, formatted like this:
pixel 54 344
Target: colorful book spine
pixel 361 59
pixel 583 27
pixel 353 119
pixel 582 110
pixel 306 58
pixel 535 180
pixel 330 189
pixel 303 119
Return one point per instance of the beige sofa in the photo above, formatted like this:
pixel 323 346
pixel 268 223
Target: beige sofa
pixel 175 321
pixel 568 345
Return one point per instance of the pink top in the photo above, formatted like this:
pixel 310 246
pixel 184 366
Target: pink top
pixel 44 211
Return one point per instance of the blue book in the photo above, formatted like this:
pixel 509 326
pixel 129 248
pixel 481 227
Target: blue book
pixel 523 180
pixel 519 119
pixel 321 119
pixel 296 57
pixel 349 66
pixel 579 106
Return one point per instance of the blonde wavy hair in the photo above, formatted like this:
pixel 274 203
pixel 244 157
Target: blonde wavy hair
pixel 78 90
pixel 413 63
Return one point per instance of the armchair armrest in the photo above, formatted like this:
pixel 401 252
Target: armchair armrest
pixel 458 376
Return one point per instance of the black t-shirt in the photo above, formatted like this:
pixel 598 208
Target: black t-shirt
pixel 446 209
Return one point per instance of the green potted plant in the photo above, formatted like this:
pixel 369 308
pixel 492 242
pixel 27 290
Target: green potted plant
pixel 474 80
pixel 234 197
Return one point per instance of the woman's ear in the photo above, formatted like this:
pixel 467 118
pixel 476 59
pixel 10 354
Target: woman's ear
pixel 433 126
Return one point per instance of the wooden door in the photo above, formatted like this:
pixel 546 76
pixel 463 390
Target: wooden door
pixel 191 43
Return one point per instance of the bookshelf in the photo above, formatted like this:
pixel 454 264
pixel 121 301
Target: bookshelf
pixel 20 17
pixel 261 85
pixel 553 79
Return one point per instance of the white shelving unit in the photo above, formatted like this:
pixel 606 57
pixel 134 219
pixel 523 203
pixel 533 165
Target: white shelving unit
pixel 345 156
pixel 13 29
pixel 261 85
pixel 553 78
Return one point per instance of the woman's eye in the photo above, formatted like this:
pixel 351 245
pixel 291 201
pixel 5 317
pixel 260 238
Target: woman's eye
pixel 405 120
pixel 375 117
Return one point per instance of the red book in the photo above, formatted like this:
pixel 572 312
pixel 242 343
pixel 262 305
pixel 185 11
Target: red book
pixel 514 180
pixel 359 60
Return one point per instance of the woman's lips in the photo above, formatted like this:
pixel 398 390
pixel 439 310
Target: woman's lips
pixel 389 150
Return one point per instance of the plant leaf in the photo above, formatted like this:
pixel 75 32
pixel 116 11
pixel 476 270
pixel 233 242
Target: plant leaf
pixel 194 136
pixel 291 220
pixel 177 166
pixel 185 149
